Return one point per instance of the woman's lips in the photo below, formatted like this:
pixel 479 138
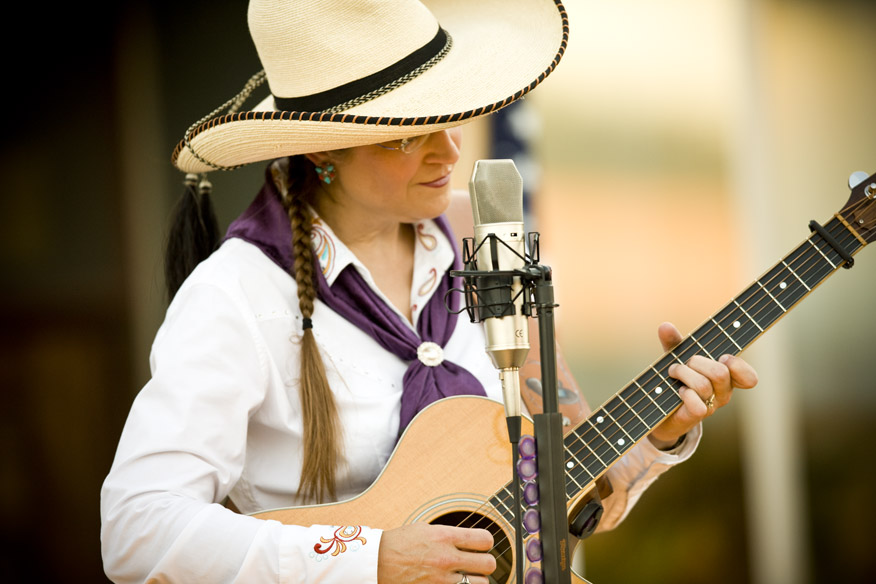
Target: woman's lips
pixel 438 183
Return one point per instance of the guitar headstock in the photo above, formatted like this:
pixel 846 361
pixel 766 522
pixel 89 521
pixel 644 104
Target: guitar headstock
pixel 860 210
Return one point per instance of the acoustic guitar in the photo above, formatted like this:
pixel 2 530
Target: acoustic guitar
pixel 452 464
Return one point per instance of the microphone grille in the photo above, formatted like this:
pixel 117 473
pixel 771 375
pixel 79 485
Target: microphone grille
pixel 496 190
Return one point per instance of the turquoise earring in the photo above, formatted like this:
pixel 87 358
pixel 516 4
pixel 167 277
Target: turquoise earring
pixel 326 173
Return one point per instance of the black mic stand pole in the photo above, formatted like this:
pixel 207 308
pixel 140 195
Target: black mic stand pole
pixel 480 287
pixel 554 531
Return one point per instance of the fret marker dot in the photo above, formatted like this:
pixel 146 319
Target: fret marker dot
pixel 620 442
pixel 570 464
pixel 783 285
pixel 736 324
pixel 658 390
pixel 599 419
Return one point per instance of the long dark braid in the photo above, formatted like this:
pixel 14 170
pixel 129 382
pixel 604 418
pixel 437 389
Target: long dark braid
pixel 322 437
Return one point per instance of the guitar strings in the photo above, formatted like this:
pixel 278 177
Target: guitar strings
pixel 800 271
pixel 838 231
pixel 766 304
pixel 844 233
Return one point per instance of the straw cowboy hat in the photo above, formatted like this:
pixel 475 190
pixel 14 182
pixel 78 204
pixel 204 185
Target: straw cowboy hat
pixel 346 73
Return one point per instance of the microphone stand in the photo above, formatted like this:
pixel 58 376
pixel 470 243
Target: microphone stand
pixel 548 426
pixel 554 532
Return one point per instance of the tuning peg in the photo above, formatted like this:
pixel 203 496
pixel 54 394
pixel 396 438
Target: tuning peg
pixel 857 178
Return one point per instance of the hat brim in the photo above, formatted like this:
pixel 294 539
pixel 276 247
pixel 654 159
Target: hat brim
pixel 502 49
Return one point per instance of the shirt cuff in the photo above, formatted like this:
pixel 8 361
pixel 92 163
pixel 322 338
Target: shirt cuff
pixel 329 554
pixel 635 472
pixel 678 454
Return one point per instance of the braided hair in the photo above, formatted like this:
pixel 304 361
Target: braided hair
pixel 194 235
pixel 322 448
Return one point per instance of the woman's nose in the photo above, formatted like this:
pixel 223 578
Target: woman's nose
pixel 444 146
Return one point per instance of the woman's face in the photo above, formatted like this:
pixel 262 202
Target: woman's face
pixel 377 184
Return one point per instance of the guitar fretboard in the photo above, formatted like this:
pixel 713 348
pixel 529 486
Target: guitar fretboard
pixel 610 431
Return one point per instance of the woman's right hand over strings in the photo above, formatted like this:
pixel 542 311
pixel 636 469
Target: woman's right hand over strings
pixel 438 554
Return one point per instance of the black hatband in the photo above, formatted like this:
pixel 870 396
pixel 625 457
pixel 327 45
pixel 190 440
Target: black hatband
pixel 324 100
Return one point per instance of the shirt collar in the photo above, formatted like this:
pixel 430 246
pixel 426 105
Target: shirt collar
pixel 265 224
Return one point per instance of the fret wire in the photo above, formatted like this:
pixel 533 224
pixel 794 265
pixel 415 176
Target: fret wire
pixel 570 461
pixel 798 256
pixel 818 271
pixel 606 459
pixel 569 475
pixel 621 429
pixel 627 417
pixel 645 408
pixel 601 436
pixel 661 376
pixel 621 442
pixel 702 347
pixel 573 473
pixel 504 504
pixel 677 358
pixel 753 299
pixel 579 464
pixel 593 452
pixel 726 334
pixel 685 350
pixel 808 289
pixel 788 291
pixel 627 421
pixel 793 292
pixel 821 252
pixel 800 260
pixel 635 413
pixel 748 315
pixel 831 251
pixel 763 307
pixel 828 252
pixel 734 316
pixel 648 395
pixel 771 296
pixel 712 340
pixel 501 507
pixel 669 397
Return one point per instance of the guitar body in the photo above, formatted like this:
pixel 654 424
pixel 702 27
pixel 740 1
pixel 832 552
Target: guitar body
pixel 452 459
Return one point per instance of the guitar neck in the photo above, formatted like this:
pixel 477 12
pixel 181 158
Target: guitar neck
pixel 608 433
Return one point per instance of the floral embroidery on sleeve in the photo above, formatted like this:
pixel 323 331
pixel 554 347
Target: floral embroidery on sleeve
pixel 342 536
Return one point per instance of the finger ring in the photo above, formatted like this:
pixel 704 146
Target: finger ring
pixel 465 579
pixel 710 403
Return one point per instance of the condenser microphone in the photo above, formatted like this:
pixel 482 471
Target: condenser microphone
pixel 496 190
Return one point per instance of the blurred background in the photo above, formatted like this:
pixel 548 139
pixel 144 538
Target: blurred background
pixel 679 151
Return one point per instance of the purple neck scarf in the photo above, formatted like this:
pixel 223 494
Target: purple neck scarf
pixel 265 224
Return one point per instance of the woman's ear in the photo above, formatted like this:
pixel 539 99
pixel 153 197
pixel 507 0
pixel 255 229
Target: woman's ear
pixel 318 158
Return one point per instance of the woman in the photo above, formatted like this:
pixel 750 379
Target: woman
pixel 287 365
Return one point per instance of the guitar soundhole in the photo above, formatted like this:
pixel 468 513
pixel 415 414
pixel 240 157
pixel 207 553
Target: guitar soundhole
pixel 502 544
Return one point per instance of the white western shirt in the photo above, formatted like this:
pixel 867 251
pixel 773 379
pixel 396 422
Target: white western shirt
pixel 221 417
